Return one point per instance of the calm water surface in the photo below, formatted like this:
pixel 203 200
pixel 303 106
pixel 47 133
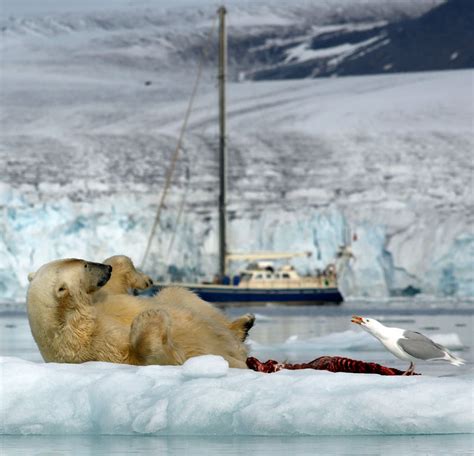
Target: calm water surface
pixel 239 445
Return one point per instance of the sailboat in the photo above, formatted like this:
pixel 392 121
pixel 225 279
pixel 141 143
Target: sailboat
pixel 261 281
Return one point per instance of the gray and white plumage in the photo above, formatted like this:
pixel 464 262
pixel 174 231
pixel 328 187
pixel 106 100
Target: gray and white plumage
pixel 407 345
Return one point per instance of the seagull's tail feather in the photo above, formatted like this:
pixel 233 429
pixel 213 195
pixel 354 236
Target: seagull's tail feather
pixel 454 360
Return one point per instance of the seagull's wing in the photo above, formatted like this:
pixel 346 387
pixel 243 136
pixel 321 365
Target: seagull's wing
pixel 419 346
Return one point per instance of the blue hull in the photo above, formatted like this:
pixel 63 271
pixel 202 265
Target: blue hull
pixel 222 294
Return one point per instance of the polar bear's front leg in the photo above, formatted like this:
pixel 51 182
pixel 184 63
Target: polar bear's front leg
pixel 150 339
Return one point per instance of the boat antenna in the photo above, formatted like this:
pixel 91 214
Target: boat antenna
pixel 222 142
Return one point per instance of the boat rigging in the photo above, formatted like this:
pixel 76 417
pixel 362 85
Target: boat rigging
pixel 261 281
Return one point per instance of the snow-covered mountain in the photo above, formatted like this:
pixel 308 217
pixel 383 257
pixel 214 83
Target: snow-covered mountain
pixel 92 100
pixel 439 39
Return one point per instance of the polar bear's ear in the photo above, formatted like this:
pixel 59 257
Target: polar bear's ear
pixel 62 291
pixel 31 276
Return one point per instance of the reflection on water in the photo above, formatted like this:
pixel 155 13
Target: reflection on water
pixel 239 445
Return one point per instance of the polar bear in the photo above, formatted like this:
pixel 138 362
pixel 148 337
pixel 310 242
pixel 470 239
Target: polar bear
pixel 72 322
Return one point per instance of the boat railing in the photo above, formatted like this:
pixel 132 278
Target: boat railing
pixel 303 282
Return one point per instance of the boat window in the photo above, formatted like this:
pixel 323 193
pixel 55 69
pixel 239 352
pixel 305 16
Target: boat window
pixel 245 276
pixel 286 276
pixel 259 276
pixel 277 276
pixel 269 276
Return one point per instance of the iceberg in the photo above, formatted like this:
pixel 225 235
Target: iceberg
pixel 359 341
pixel 205 397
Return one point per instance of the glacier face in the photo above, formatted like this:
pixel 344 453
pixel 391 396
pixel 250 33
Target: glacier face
pixel 311 162
pixel 205 397
pixel 35 234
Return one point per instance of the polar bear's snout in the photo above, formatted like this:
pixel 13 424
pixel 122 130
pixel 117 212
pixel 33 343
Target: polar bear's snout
pixel 100 273
pixel 106 275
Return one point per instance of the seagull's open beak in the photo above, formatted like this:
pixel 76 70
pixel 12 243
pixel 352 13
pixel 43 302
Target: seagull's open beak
pixel 357 320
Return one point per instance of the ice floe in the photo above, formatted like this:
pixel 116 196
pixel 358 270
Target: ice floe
pixel 205 397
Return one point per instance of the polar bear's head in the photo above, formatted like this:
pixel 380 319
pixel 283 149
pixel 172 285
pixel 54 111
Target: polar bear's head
pixel 125 276
pixel 61 278
pixel 60 286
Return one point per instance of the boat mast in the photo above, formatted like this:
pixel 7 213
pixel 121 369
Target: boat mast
pixel 222 142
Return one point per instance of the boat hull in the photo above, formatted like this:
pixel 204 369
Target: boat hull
pixel 232 294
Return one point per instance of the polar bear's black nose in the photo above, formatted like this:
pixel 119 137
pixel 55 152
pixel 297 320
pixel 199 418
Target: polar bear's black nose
pixel 102 272
pixel 108 272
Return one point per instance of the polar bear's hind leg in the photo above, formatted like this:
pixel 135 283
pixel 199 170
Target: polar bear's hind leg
pixel 242 325
pixel 150 339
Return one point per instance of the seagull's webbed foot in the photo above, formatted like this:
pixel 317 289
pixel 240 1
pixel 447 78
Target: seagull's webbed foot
pixel 410 370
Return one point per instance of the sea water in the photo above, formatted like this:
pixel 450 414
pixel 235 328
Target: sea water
pixel 283 333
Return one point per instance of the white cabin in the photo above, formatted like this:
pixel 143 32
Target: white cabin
pixel 264 274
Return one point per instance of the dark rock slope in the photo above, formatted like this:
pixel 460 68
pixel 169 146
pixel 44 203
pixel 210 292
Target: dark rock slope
pixel 440 39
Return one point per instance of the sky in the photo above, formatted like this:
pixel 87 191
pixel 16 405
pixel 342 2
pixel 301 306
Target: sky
pixel 32 7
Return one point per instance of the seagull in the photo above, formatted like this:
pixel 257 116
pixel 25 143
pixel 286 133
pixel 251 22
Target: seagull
pixel 407 345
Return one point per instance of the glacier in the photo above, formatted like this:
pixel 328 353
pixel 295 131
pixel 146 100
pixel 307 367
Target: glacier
pixel 33 235
pixel 311 162
pixel 205 397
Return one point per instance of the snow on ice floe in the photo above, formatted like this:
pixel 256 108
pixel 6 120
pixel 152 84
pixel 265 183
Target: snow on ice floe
pixel 209 366
pixel 101 398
